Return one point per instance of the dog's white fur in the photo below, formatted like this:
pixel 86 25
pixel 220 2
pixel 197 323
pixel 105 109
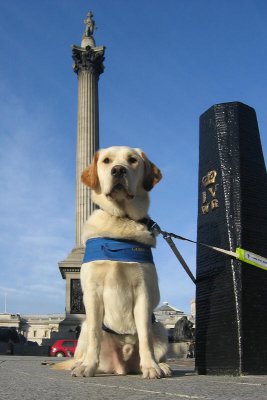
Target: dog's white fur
pixel 122 295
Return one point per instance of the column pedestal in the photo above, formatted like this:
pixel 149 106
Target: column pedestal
pixel 74 308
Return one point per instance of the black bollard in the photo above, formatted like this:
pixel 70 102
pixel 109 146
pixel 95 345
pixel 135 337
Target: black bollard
pixel 231 296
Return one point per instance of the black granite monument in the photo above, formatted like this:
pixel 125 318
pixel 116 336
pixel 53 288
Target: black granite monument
pixel 231 296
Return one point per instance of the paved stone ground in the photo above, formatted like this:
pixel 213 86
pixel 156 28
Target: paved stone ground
pixel 25 378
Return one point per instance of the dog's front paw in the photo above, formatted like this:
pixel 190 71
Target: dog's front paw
pixel 165 369
pixel 77 371
pixel 75 365
pixel 84 370
pixel 151 371
pixel 90 370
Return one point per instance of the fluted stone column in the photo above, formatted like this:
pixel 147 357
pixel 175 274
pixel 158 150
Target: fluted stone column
pixel 88 65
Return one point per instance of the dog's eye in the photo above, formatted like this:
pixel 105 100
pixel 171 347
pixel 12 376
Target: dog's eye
pixel 132 160
pixel 106 160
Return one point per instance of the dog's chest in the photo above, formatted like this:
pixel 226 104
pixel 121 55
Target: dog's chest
pixel 112 274
pixel 118 286
pixel 119 280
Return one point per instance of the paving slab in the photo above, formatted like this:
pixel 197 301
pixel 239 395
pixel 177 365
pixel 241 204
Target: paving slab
pixel 28 378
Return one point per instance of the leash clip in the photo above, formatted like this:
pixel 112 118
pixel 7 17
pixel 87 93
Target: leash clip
pixel 153 227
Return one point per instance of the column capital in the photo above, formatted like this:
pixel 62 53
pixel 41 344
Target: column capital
pixel 88 59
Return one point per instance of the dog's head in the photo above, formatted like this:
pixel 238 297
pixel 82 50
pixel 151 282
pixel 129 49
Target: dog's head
pixel 120 177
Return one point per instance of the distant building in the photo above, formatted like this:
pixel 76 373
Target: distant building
pixel 10 321
pixel 168 315
pixel 44 329
pixel 34 328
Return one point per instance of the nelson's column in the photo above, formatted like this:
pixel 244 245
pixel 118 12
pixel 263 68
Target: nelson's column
pixel 88 65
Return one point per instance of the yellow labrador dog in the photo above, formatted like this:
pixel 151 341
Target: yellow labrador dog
pixel 119 334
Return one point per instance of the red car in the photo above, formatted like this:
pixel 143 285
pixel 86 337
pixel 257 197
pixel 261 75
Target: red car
pixel 63 348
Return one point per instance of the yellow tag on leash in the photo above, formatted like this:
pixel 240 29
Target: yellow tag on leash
pixel 251 258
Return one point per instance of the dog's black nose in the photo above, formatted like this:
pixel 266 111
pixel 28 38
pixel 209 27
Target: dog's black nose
pixel 118 171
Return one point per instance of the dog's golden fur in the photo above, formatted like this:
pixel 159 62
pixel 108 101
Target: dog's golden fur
pixel 122 295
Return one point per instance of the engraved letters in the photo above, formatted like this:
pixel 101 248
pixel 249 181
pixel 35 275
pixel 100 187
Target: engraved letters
pixel 214 204
pixel 205 208
pixel 209 194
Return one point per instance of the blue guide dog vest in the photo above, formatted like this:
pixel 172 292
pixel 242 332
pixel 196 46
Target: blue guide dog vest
pixel 117 250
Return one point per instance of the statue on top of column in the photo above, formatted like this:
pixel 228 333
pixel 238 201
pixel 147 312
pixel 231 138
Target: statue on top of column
pixel 90 25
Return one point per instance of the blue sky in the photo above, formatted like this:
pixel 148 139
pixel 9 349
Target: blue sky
pixel 167 61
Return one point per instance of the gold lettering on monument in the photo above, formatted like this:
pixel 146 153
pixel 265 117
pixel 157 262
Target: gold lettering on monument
pixel 209 178
pixel 205 208
pixel 209 194
pixel 212 191
pixel 214 204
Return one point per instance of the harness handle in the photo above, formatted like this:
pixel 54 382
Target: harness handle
pixel 240 254
pixel 154 228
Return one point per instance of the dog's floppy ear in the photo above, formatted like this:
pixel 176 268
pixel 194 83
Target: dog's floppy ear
pixel 152 174
pixel 89 176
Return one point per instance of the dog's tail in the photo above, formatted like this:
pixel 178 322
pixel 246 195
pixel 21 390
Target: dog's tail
pixel 65 365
